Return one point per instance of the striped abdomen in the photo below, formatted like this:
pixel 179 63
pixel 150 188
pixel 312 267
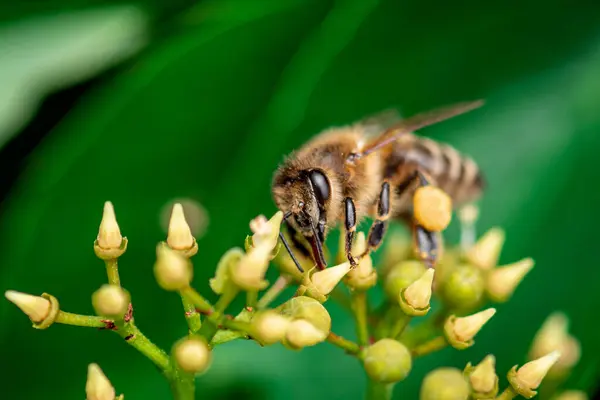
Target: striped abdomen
pixel 455 173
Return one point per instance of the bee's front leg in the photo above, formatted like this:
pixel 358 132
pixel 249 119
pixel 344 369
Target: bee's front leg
pixel 379 226
pixel 350 225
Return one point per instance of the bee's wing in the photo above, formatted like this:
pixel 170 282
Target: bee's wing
pixel 418 121
pixel 375 124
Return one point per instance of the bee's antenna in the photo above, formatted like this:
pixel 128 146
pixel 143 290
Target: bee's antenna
pixel 287 245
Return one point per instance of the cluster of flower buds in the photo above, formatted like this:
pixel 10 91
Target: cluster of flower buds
pixel 465 279
pixel 480 382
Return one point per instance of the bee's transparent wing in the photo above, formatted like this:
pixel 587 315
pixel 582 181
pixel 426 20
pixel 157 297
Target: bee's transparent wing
pixel 392 132
pixel 376 124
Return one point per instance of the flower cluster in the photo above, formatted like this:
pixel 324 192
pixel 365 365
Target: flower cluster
pixel 389 336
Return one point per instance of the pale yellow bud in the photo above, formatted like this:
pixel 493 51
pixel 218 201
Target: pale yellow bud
pixel 397 247
pixel 571 395
pixel 266 232
pixel 468 214
pixel 301 333
pixel 326 280
pixel 98 387
pixel 109 234
pixel 363 276
pixel 249 272
pixel 486 251
pixel 110 301
pixel 553 335
pixel 483 378
pixel 172 270
pixel 269 327
pixel 444 384
pixel 466 328
pixel 530 375
pixel 418 293
pixel 192 354
pixel 432 208
pixel 35 307
pixel 502 282
pixel 179 235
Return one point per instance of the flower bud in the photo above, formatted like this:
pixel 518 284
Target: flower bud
pixel 266 232
pixel 486 251
pixel 98 387
pixel 444 384
pixel 398 247
pixel 529 377
pixel 502 282
pixel 110 301
pixel 414 300
pixel 387 361
pixel 268 327
pixel 460 331
pixel 35 307
pixel 432 208
pixel 553 335
pixel 192 354
pixel 172 270
pixel 468 216
pixel 109 244
pixel 402 275
pixel 249 273
pixel 307 308
pixel 179 236
pixel 326 280
pixel 571 395
pixel 223 272
pixel 364 276
pixel 483 378
pixel 109 234
pixel 301 333
pixel 463 287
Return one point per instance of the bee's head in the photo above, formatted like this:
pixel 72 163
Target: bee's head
pixel 305 193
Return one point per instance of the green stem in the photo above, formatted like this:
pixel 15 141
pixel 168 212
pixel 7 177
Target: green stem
pixel 343 343
pixel 378 391
pixel 431 346
pixel 89 321
pixel 508 394
pixel 214 319
pixel 112 271
pixel 359 308
pixel 135 338
pixel 400 325
pixel 275 290
pixel 191 315
pixel 196 299
pixel 183 386
pixel 251 298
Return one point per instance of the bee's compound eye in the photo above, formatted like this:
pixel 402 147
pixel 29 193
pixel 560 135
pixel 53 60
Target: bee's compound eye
pixel 320 185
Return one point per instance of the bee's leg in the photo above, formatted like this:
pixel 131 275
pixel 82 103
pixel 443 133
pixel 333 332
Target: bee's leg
pixel 427 244
pixel 379 226
pixel 350 224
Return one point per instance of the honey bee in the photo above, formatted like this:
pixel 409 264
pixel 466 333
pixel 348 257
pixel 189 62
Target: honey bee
pixel 370 169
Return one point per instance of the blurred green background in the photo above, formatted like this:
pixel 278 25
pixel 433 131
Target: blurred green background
pixel 200 100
